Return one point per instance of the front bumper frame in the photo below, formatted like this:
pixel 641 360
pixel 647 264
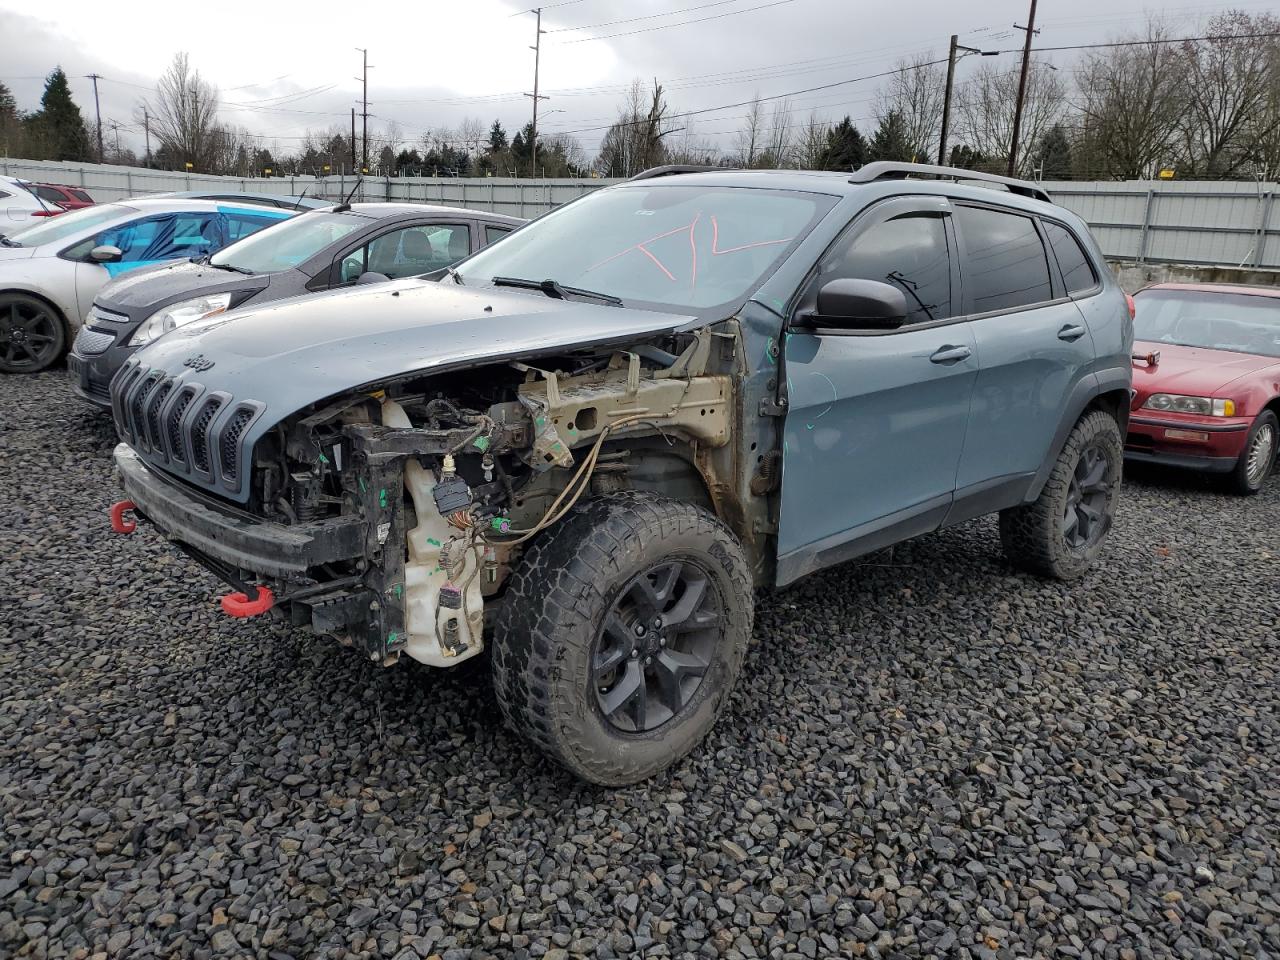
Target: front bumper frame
pixel 239 541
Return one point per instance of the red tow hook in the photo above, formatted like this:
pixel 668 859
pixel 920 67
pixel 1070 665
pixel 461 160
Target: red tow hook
pixel 239 605
pixel 118 523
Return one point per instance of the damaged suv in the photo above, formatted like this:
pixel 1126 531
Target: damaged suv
pixel 582 449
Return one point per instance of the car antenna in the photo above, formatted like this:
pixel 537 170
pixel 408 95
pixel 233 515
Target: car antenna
pixel 345 205
pixel 297 204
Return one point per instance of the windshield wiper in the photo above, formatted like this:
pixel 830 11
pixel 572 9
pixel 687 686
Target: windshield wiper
pixel 227 266
pixel 457 277
pixel 6 242
pixel 553 288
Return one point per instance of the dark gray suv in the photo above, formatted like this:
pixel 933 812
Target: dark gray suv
pixel 320 250
pixel 581 450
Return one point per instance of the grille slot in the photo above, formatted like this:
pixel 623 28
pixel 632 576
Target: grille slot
pixel 173 424
pixel 229 443
pixel 138 406
pixel 200 433
pixel 155 402
pixel 123 381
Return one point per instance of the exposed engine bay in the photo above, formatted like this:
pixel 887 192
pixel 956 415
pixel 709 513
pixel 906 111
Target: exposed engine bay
pixel 451 474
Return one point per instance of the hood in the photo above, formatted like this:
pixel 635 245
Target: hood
pixel 289 354
pixel 166 283
pixel 16 253
pixel 1192 371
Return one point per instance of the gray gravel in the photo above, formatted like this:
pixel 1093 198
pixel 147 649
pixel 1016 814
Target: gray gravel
pixel 928 755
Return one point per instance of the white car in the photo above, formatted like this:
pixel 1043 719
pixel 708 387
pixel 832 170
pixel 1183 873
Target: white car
pixel 50 271
pixel 20 207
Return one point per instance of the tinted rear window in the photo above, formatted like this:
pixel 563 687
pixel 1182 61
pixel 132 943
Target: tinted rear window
pixel 1005 264
pixel 1077 271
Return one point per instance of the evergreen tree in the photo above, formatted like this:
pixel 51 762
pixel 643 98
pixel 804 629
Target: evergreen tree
pixel 846 147
pixel 497 137
pixel 8 106
pixel 890 142
pixel 10 125
pixel 966 158
pixel 58 125
pixel 1053 155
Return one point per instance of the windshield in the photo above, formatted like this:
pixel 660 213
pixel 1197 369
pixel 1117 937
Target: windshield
pixel 288 244
pixel 68 224
pixel 1218 321
pixel 671 246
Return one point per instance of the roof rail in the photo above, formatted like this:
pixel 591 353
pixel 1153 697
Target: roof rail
pixel 890 170
pixel 671 169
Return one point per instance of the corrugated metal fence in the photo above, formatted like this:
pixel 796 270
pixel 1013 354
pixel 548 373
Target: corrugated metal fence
pixel 1215 223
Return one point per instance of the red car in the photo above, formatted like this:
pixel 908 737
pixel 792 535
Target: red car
pixel 68 198
pixel 1206 380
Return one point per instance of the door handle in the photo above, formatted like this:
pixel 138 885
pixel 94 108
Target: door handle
pixel 950 354
pixel 1072 331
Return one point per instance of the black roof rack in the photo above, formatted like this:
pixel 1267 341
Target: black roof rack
pixel 889 170
pixel 671 169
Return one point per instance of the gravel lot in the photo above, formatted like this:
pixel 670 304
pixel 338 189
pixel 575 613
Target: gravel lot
pixel 928 755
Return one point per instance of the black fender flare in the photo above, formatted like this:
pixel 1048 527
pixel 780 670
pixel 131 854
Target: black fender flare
pixel 1085 392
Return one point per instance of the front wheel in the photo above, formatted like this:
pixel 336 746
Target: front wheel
pixel 32 334
pixel 1254 465
pixel 1062 532
pixel 621 635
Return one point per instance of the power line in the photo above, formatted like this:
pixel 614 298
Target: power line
pixel 651 16
pixel 682 23
pixel 1150 43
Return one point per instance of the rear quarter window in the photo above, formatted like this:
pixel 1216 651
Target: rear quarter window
pixel 1077 270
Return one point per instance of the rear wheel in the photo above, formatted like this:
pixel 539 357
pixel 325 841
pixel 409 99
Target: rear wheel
pixel 32 334
pixel 622 634
pixel 1259 457
pixel 1063 531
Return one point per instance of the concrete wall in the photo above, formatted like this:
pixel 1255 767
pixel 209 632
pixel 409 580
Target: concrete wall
pixel 1134 276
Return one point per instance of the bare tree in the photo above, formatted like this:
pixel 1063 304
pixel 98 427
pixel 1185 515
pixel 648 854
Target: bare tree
pixel 186 115
pixel 915 92
pixel 1131 104
pixel 780 136
pixel 636 140
pixel 986 105
pixel 1229 80
pixel 473 134
pixel 751 138
pixel 811 142
pixel 691 148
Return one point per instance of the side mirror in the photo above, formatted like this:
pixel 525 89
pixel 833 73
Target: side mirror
pixel 105 254
pixel 860 304
pixel 372 277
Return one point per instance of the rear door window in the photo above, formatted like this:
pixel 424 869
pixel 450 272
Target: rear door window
pixel 492 233
pixel 1077 271
pixel 1004 265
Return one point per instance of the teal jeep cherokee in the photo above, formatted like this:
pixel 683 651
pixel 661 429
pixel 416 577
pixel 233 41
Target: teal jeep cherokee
pixel 580 451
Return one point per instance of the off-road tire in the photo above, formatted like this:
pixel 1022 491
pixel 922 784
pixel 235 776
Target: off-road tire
pixel 1033 534
pixel 553 612
pixel 1238 479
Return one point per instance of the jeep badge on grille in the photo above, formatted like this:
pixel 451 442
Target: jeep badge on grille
pixel 198 362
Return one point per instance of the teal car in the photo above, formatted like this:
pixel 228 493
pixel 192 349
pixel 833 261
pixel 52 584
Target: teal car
pixel 51 271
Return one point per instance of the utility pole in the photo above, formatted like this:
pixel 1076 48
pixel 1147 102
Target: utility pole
pixel 533 129
pixel 364 127
pixel 353 139
pixel 97 111
pixel 1031 30
pixel 115 128
pixel 946 101
pixel 146 131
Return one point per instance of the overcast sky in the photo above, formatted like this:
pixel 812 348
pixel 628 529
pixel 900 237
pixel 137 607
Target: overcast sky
pixel 281 71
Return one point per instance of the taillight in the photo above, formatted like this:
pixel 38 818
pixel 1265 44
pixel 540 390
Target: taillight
pixel 45 213
pixel 1133 307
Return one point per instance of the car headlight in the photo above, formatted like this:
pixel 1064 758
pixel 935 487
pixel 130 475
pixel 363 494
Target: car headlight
pixel 1205 406
pixel 178 314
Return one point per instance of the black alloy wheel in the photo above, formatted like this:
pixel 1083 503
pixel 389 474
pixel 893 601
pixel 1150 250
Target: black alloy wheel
pixel 32 335
pixel 655 645
pixel 1085 517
